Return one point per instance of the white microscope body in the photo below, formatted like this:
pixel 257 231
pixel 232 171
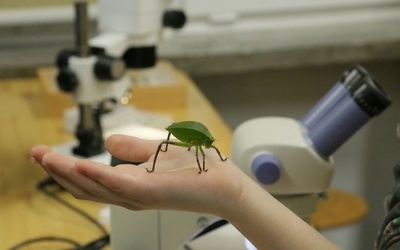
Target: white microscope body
pixel 292 159
pixel 131 29
pixel 291 171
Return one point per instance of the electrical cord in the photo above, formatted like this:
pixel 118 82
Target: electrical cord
pixel 75 244
pixel 43 187
pixel 97 244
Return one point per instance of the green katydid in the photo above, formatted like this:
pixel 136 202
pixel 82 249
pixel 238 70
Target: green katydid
pixel 191 134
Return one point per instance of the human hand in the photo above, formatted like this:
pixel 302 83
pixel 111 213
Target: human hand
pixel 175 184
pixel 224 190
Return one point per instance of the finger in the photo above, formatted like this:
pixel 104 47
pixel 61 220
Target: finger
pixel 112 178
pixel 38 151
pixel 81 194
pixel 95 186
pixel 160 190
pixel 124 180
pixel 63 169
pixel 75 190
pixel 130 148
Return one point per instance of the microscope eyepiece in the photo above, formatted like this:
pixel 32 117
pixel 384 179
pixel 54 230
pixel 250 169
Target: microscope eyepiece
pixel 371 97
pixel 350 104
pixel 367 93
pixel 354 77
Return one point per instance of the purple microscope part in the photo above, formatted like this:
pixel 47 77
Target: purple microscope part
pixel 335 95
pixel 266 168
pixel 334 129
pixel 351 80
pixel 349 105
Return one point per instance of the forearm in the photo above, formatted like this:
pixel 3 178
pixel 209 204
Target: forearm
pixel 270 225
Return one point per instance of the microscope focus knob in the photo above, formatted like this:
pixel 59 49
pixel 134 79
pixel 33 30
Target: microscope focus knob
pixel 109 68
pixel 266 168
pixel 175 19
pixel 67 80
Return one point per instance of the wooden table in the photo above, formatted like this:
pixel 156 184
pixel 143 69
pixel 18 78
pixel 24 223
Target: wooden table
pixel 31 114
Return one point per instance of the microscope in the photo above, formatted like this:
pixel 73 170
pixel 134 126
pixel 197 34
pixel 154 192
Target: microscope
pixel 95 71
pixel 292 159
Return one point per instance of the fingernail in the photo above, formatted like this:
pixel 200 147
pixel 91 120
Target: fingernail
pixel 33 159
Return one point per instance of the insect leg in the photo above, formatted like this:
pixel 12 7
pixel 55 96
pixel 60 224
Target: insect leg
pixel 190 142
pixel 219 153
pixel 166 146
pixel 197 158
pixel 155 157
pixel 204 159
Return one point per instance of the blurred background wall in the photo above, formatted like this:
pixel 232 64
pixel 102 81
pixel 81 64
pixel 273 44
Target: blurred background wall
pixel 221 36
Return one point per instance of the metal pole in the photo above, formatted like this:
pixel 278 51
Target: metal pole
pixel 82 29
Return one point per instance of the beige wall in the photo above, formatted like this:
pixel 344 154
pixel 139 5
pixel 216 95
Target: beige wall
pixel 12 4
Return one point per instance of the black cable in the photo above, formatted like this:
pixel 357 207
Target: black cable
pixel 97 244
pixel 70 206
pixel 75 244
pixel 94 245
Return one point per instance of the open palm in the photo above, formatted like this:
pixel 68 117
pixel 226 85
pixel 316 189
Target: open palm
pixel 176 183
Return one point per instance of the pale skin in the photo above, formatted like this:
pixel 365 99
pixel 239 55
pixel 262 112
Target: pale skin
pixel 176 185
